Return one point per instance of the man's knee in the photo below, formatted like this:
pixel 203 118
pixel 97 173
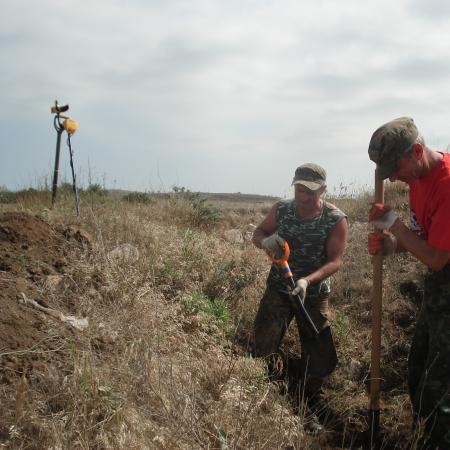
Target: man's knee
pixel 271 323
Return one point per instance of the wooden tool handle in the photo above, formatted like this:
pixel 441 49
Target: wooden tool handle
pixel 376 314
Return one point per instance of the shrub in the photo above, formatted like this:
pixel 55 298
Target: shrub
pixel 137 197
pixel 66 188
pixel 7 196
pixel 32 196
pixel 96 189
pixel 204 214
pixel 216 308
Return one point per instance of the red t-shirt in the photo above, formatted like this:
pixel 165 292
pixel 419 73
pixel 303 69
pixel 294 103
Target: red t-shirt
pixel 429 200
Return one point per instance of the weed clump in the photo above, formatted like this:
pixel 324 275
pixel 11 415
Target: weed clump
pixel 204 214
pixel 7 196
pixel 215 308
pixel 137 197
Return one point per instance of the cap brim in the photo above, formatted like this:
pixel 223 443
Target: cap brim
pixel 311 185
pixel 383 172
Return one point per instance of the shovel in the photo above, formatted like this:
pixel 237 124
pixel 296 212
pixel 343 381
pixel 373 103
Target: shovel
pixel 300 311
pixel 319 354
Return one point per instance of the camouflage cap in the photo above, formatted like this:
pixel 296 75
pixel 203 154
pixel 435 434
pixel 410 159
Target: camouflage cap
pixel 390 142
pixel 311 176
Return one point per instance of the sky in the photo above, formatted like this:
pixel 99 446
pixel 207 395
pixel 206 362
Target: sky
pixel 217 96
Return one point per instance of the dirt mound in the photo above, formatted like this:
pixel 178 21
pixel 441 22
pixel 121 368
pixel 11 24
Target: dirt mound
pixel 28 245
pixel 31 253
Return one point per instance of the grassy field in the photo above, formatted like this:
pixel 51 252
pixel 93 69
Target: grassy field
pixel 165 362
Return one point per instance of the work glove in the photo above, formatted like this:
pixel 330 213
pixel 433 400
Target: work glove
pixel 384 242
pixel 300 288
pixel 381 216
pixel 272 243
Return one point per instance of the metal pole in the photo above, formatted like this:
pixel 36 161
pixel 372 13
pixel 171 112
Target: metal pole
pixel 74 185
pixel 59 131
pixel 375 376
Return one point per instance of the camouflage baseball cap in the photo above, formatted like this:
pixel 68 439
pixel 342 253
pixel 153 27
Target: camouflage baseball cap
pixel 311 176
pixel 390 142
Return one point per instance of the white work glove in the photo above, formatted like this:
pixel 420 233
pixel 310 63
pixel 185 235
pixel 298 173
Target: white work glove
pixel 272 243
pixel 300 288
pixel 381 216
pixel 386 221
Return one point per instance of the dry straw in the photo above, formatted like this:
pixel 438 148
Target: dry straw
pixel 166 360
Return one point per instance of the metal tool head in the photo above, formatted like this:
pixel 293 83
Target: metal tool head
pixel 57 109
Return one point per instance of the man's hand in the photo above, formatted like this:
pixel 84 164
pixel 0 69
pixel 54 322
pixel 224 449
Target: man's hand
pixel 381 216
pixel 381 242
pixel 300 288
pixel 272 243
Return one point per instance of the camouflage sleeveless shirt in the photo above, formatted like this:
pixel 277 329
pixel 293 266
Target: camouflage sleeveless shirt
pixel 307 241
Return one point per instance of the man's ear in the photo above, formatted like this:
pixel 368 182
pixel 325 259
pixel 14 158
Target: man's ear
pixel 418 151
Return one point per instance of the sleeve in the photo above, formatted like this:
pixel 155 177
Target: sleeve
pixel 439 230
pixel 336 215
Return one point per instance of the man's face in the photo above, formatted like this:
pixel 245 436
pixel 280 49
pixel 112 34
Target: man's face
pixel 407 170
pixel 307 198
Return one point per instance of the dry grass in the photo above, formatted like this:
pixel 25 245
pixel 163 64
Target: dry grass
pixel 160 368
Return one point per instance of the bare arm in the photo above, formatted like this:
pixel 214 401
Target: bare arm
pixel 336 243
pixel 432 257
pixel 267 227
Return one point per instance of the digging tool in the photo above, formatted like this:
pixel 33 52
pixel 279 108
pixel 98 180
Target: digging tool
pixel 70 126
pixel 374 403
pixel 300 311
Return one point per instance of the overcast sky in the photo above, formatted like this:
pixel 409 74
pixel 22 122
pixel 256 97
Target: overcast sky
pixel 217 96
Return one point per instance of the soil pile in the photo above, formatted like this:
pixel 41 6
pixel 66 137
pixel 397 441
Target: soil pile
pixel 32 254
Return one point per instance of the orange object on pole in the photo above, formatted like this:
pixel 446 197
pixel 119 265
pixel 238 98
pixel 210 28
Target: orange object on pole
pixel 375 376
pixel 70 125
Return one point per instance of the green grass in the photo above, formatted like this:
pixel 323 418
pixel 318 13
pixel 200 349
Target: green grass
pixel 215 308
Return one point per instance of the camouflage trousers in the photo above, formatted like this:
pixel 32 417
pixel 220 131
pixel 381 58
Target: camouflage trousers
pixel 275 313
pixel 429 361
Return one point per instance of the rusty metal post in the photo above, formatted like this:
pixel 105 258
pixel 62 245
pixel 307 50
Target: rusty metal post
pixel 59 130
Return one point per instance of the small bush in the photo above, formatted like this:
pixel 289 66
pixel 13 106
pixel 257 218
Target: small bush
pixel 216 308
pixel 204 214
pixel 96 189
pixel 65 188
pixel 7 196
pixel 32 196
pixel 137 197
pixel 229 278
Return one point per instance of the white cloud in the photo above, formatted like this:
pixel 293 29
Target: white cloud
pixel 240 91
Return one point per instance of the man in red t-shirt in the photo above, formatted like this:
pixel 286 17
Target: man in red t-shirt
pixel 401 154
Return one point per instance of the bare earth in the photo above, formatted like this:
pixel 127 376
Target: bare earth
pixel 32 254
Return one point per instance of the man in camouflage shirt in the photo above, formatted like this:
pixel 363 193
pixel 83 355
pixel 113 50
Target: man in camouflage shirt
pixel 316 232
pixel 401 154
